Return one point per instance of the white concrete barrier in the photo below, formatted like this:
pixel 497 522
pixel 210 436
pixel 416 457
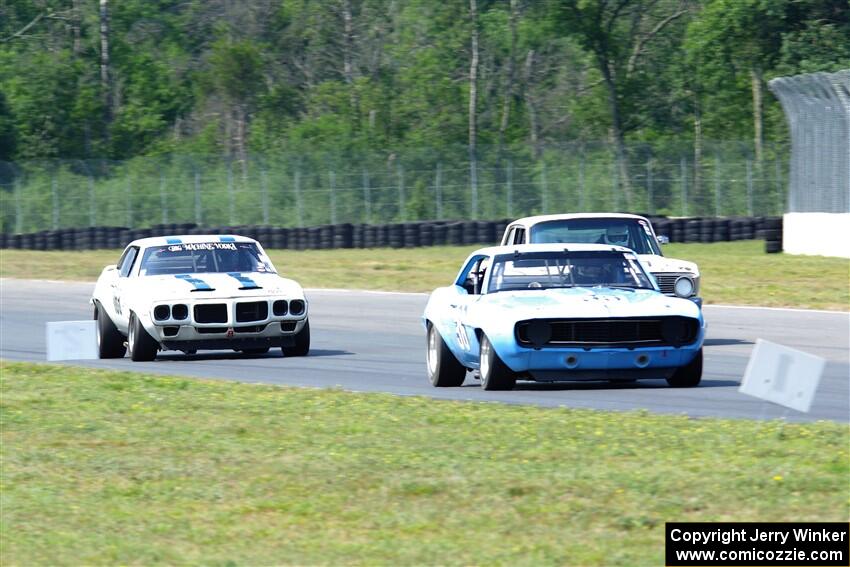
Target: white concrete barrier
pixel 818 234
pixel 71 340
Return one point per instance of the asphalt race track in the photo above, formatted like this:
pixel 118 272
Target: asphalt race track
pixel 375 342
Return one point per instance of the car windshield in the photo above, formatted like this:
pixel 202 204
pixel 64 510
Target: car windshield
pixel 631 233
pixel 204 257
pixel 546 270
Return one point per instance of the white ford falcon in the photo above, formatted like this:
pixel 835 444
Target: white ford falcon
pixel 189 293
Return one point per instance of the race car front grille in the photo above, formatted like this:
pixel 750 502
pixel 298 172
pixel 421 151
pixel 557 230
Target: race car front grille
pixel 667 281
pixel 211 313
pixel 621 332
pixel 252 311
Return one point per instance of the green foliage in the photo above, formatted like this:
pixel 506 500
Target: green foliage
pixel 232 77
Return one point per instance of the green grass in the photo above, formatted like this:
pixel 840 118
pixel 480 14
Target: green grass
pixel 732 272
pixel 122 468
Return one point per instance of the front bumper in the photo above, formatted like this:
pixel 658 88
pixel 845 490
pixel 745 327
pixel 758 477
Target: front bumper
pixel 572 363
pixel 240 337
pixel 230 331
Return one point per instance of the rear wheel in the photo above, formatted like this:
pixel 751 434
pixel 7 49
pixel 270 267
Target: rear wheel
pixel 444 371
pixel 495 374
pixel 141 345
pixel 110 341
pixel 302 343
pixel 689 375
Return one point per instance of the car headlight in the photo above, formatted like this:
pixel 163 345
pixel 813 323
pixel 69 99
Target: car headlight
pixel 684 287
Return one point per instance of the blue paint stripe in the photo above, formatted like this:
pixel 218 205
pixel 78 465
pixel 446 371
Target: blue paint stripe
pixel 226 239
pixel 173 241
pixel 244 280
pixel 198 284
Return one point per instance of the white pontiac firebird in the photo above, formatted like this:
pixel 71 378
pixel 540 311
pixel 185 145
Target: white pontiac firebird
pixel 189 293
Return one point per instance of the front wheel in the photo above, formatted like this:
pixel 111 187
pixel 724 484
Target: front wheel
pixel 495 374
pixel 141 345
pixel 302 343
pixel 689 375
pixel 110 341
pixel 444 371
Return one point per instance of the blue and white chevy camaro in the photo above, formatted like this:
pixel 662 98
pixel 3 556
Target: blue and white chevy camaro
pixel 553 312
pixel 197 292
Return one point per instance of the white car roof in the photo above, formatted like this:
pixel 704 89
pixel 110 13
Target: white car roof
pixel 188 238
pixel 527 221
pixel 550 247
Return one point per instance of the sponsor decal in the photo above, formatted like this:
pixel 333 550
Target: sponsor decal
pixel 173 241
pixel 199 285
pixel 247 283
pixel 226 239
pixel 202 246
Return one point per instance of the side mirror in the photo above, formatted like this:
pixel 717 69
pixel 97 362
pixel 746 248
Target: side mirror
pixel 663 239
pixel 111 267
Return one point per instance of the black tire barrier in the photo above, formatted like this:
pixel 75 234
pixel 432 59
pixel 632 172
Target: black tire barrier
pixel 486 232
pixel 772 246
pixel 772 234
pixel 774 223
pixel 470 232
pixel 343 236
pixel 395 235
pixel 426 234
pixel 662 228
pixel 411 235
pixel 382 236
pixel 369 236
pixel 314 238
pixel 326 237
pixel 278 238
pixel 357 236
pixel 677 232
pixel 454 235
pixel 441 234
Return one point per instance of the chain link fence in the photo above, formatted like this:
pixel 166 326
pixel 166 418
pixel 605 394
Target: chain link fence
pixel 817 106
pixel 298 190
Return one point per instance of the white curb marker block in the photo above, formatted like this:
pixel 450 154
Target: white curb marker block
pixel 782 375
pixel 71 340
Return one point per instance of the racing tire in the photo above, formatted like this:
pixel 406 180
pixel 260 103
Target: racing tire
pixel 302 343
pixel 444 370
pixel 142 346
pixel 688 376
pixel 259 350
pixel 110 341
pixel 495 374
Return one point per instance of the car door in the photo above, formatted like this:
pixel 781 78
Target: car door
pixel 472 281
pixel 120 287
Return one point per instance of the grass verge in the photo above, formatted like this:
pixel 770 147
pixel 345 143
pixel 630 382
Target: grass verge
pixel 122 468
pixel 732 272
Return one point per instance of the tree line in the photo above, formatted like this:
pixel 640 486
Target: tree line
pixel 82 79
